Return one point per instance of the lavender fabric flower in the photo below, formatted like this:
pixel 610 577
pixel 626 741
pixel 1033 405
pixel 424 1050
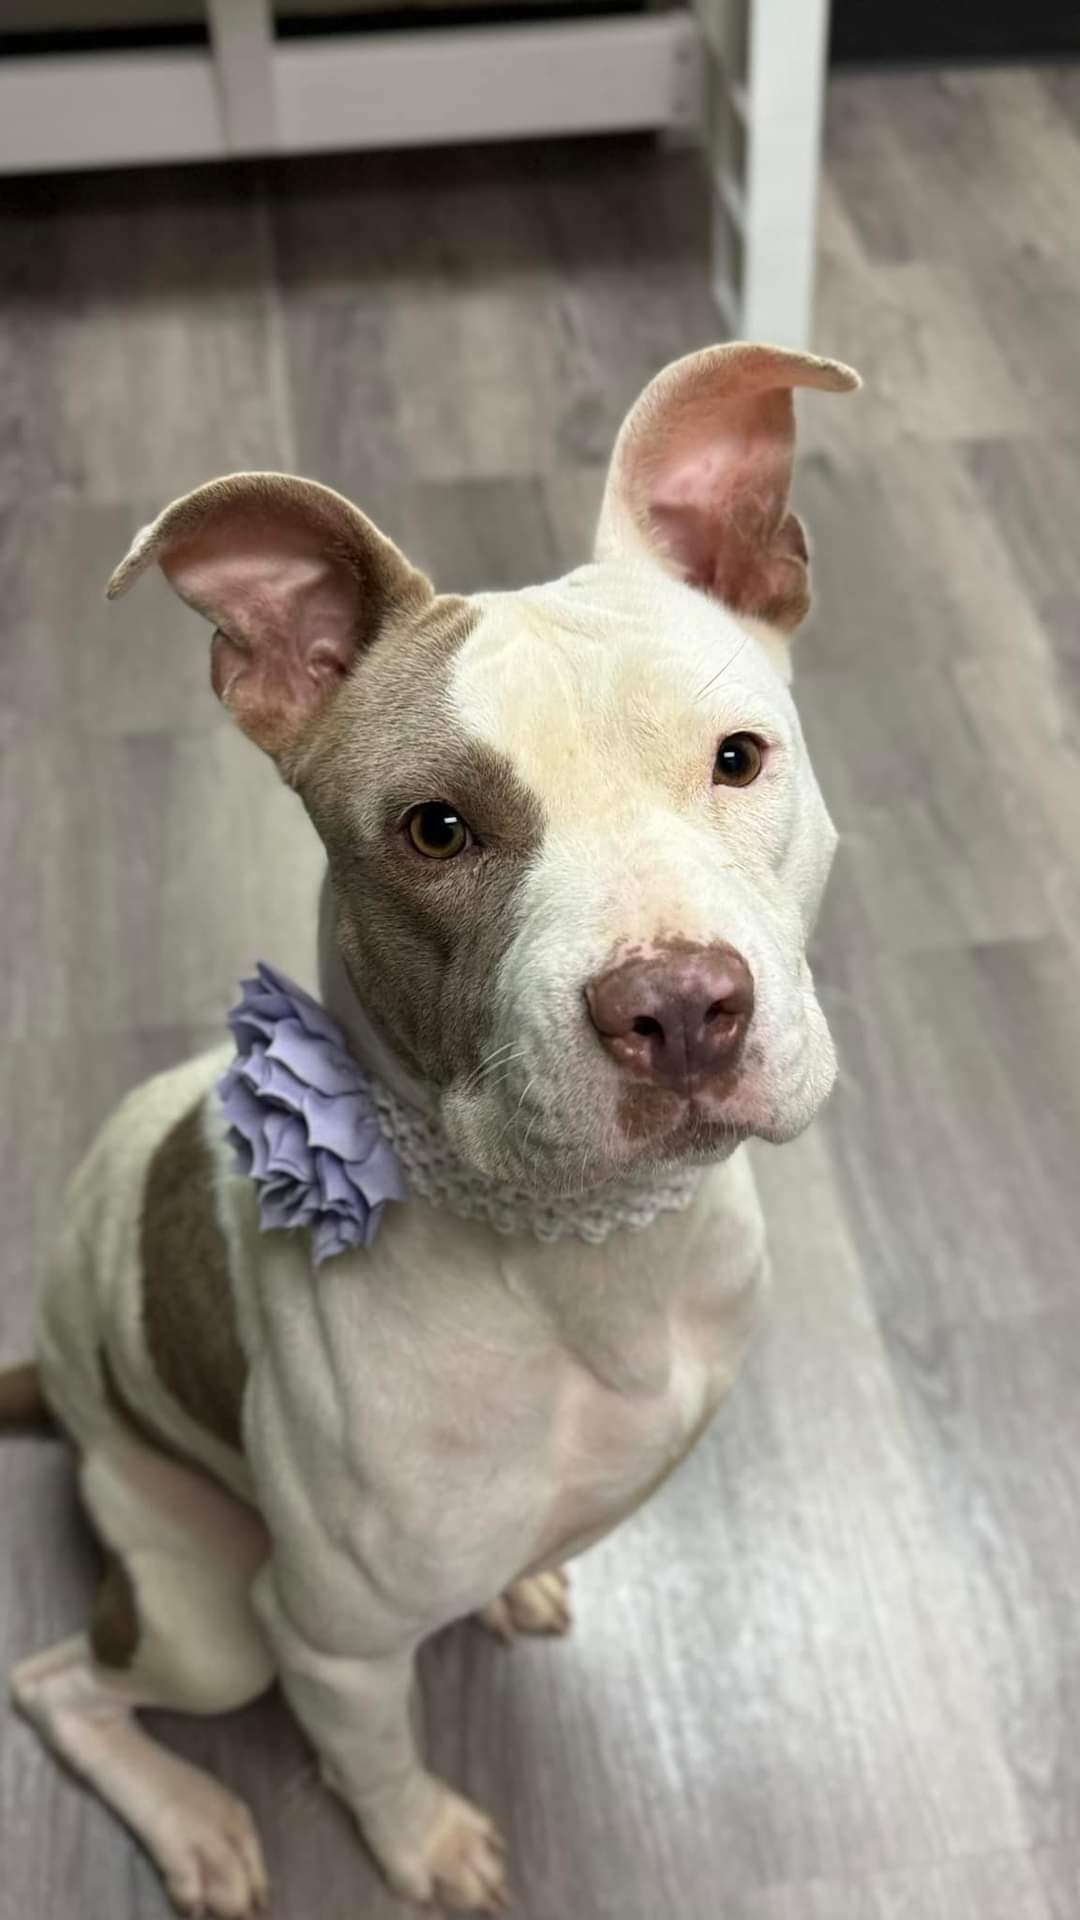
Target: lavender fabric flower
pixel 302 1120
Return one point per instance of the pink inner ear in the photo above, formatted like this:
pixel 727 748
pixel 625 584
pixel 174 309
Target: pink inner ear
pixel 701 472
pixel 287 614
pixel 713 494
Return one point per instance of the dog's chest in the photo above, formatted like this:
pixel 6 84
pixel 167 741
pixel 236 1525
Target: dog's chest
pixel 611 1445
pixel 460 1411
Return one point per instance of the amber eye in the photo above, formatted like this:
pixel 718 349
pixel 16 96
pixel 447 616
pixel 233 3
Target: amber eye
pixel 437 831
pixel 738 761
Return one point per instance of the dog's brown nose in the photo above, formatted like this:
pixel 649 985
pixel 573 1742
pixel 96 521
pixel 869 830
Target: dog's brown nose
pixel 678 1017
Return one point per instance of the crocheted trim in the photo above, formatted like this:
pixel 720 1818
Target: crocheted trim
pixel 435 1174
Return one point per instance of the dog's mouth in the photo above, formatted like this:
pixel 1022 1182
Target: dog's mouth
pixel 708 1123
pixel 649 1128
pixel 547 1154
pixel 561 1135
pixel 660 1118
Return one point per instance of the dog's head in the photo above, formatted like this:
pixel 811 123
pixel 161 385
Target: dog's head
pixel 574 837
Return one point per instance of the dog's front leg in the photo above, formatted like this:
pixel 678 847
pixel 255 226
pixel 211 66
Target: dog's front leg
pixel 351 1691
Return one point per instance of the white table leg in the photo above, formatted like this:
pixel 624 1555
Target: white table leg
pixel 765 85
pixel 242 39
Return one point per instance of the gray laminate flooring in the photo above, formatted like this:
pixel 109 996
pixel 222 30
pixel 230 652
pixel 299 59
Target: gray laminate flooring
pixel 833 1671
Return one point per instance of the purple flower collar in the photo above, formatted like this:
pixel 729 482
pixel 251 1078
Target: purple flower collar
pixel 302 1119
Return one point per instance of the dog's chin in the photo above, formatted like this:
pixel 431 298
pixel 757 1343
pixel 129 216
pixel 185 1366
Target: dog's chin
pixel 648 1130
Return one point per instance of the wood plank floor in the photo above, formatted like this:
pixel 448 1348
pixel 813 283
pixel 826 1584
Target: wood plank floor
pixel 833 1672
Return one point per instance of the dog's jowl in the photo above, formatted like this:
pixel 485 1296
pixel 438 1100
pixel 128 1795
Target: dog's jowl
pixel 375 1317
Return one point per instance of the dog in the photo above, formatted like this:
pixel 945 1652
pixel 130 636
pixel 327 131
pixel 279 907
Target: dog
pixel 575 849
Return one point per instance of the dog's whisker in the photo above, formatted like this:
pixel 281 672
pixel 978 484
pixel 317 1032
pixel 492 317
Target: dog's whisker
pixel 584 1168
pixel 718 675
pixel 529 1084
pixel 504 1046
pixel 490 1084
pixel 525 1143
pixel 498 1058
pixel 489 1061
pixel 507 1059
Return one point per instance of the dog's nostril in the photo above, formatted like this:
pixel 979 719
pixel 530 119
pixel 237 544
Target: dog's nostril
pixel 647 1025
pixel 718 1011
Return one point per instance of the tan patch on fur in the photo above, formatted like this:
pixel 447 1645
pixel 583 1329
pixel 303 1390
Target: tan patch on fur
pixel 114 1630
pixel 420 938
pixel 188 1312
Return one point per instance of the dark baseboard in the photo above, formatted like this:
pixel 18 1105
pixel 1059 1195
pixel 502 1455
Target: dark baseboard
pixel 454 13
pixel 388 17
pixel 943 30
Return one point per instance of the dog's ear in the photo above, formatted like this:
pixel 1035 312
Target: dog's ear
pixel 701 472
pixel 296 582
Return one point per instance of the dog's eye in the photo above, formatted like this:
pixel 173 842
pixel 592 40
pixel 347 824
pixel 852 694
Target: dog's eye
pixel 739 760
pixel 437 831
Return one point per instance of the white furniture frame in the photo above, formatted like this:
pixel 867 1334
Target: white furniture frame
pixel 747 73
pixel 764 92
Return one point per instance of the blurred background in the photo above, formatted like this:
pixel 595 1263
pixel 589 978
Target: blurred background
pixel 430 256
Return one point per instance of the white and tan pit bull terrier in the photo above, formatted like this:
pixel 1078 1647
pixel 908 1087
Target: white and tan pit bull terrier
pixel 575 850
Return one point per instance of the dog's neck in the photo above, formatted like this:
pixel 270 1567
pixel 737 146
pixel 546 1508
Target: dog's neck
pixel 409 1117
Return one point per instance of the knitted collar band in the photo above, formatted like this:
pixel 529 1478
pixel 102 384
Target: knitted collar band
pixel 329 1146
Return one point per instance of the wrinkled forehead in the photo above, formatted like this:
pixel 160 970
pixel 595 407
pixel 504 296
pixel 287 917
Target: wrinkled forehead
pixel 611 670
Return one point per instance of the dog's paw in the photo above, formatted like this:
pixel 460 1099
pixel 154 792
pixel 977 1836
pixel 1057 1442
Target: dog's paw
pixel 539 1603
pixel 461 1862
pixel 209 1855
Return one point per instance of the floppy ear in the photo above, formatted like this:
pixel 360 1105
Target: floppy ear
pixel 295 580
pixel 701 472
